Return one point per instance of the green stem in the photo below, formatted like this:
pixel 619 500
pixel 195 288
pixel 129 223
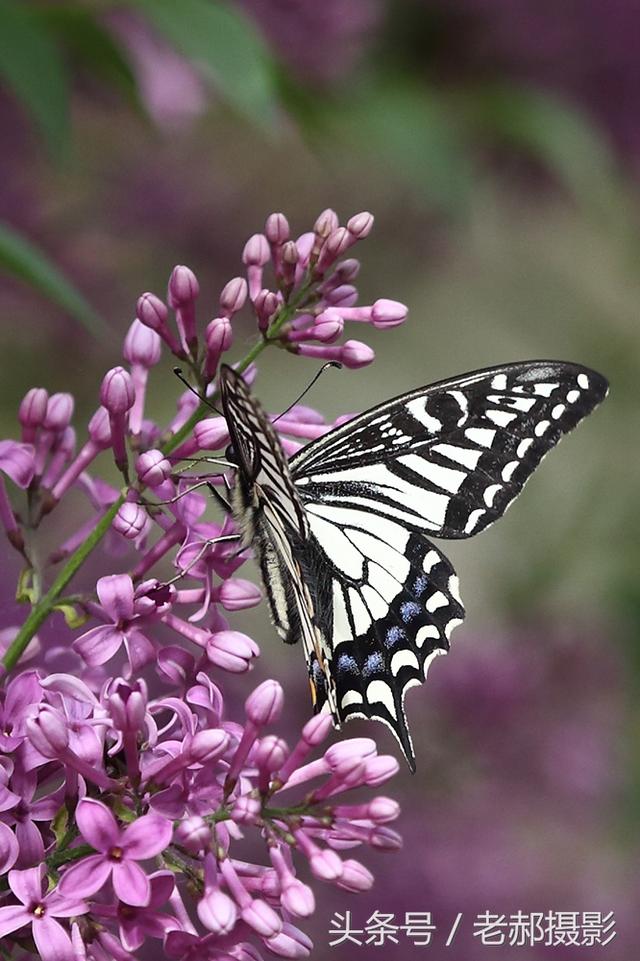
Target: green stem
pixel 43 608
pixel 58 858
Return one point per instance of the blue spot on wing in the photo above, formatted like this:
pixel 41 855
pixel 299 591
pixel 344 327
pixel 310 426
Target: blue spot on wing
pixel 373 664
pixel 409 610
pixel 347 664
pixel 394 636
pixel 420 585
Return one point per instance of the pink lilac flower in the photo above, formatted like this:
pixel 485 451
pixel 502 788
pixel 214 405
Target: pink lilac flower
pixel 120 850
pixel 127 772
pixel 40 911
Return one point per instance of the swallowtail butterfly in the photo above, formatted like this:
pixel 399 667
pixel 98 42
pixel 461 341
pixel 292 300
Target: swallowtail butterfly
pixel 342 531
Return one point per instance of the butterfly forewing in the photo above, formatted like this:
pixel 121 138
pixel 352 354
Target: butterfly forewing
pixel 342 529
pixel 448 459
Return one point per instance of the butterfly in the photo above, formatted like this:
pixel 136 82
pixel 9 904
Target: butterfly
pixel 342 530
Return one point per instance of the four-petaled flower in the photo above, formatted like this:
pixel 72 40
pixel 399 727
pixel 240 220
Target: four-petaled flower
pixel 119 850
pixel 40 911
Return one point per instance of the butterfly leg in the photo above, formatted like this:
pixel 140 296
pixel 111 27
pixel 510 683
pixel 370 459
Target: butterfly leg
pixel 210 542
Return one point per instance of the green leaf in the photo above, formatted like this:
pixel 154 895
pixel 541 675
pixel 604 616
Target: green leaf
pixel 74 616
pixel 31 65
pixel 26 592
pixel 60 823
pixel 556 133
pixel 225 43
pixel 91 46
pixel 19 258
pixel 403 131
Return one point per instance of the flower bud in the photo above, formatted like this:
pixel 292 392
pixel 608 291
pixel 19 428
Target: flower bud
pixel 183 287
pixel 355 877
pixel 262 918
pixel 325 865
pixel 385 839
pixel 246 810
pixel 344 295
pixel 142 345
pixel 217 911
pixel 208 744
pixel 334 246
pixel 117 393
pixel 264 704
pixel 316 729
pixel 265 304
pixel 328 327
pixel 153 468
pixel 360 225
pixel 356 354
pixel 256 251
pixel 194 834
pixel 290 253
pixel 151 311
pixel 383 809
pixel 276 229
pixel 231 650
pixel 127 704
pixel 211 433
pixel 233 296
pixel 236 594
pixel 298 898
pixel 290 943
pixel 48 732
pixel 270 754
pixel 388 313
pixel 32 410
pixel 326 223
pixel 347 270
pixel 353 747
pixel 218 338
pixel 131 520
pixel 59 412
pixel 380 769
pixel 100 429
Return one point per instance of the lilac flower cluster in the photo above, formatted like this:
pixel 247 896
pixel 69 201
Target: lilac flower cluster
pixel 125 784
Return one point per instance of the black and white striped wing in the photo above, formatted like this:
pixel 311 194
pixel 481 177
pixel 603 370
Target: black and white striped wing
pixel 445 461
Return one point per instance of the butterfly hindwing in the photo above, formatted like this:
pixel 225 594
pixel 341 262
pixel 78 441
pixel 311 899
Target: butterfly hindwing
pixel 387 627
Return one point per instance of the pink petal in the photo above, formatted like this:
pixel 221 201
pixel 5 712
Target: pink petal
pixel 23 691
pixel 146 837
pixel 31 844
pixel 9 848
pixel 162 884
pixel 13 917
pixel 131 934
pixel 97 825
pixel 59 907
pixel 17 461
pixel 140 650
pixel 99 644
pixel 27 885
pixel 48 806
pixel 116 596
pixel 86 877
pixel 134 931
pixel 52 941
pixel 131 884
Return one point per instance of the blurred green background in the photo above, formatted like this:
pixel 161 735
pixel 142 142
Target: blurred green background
pixel 497 144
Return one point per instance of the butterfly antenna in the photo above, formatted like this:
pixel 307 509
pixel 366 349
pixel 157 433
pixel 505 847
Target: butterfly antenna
pixel 330 363
pixel 178 372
